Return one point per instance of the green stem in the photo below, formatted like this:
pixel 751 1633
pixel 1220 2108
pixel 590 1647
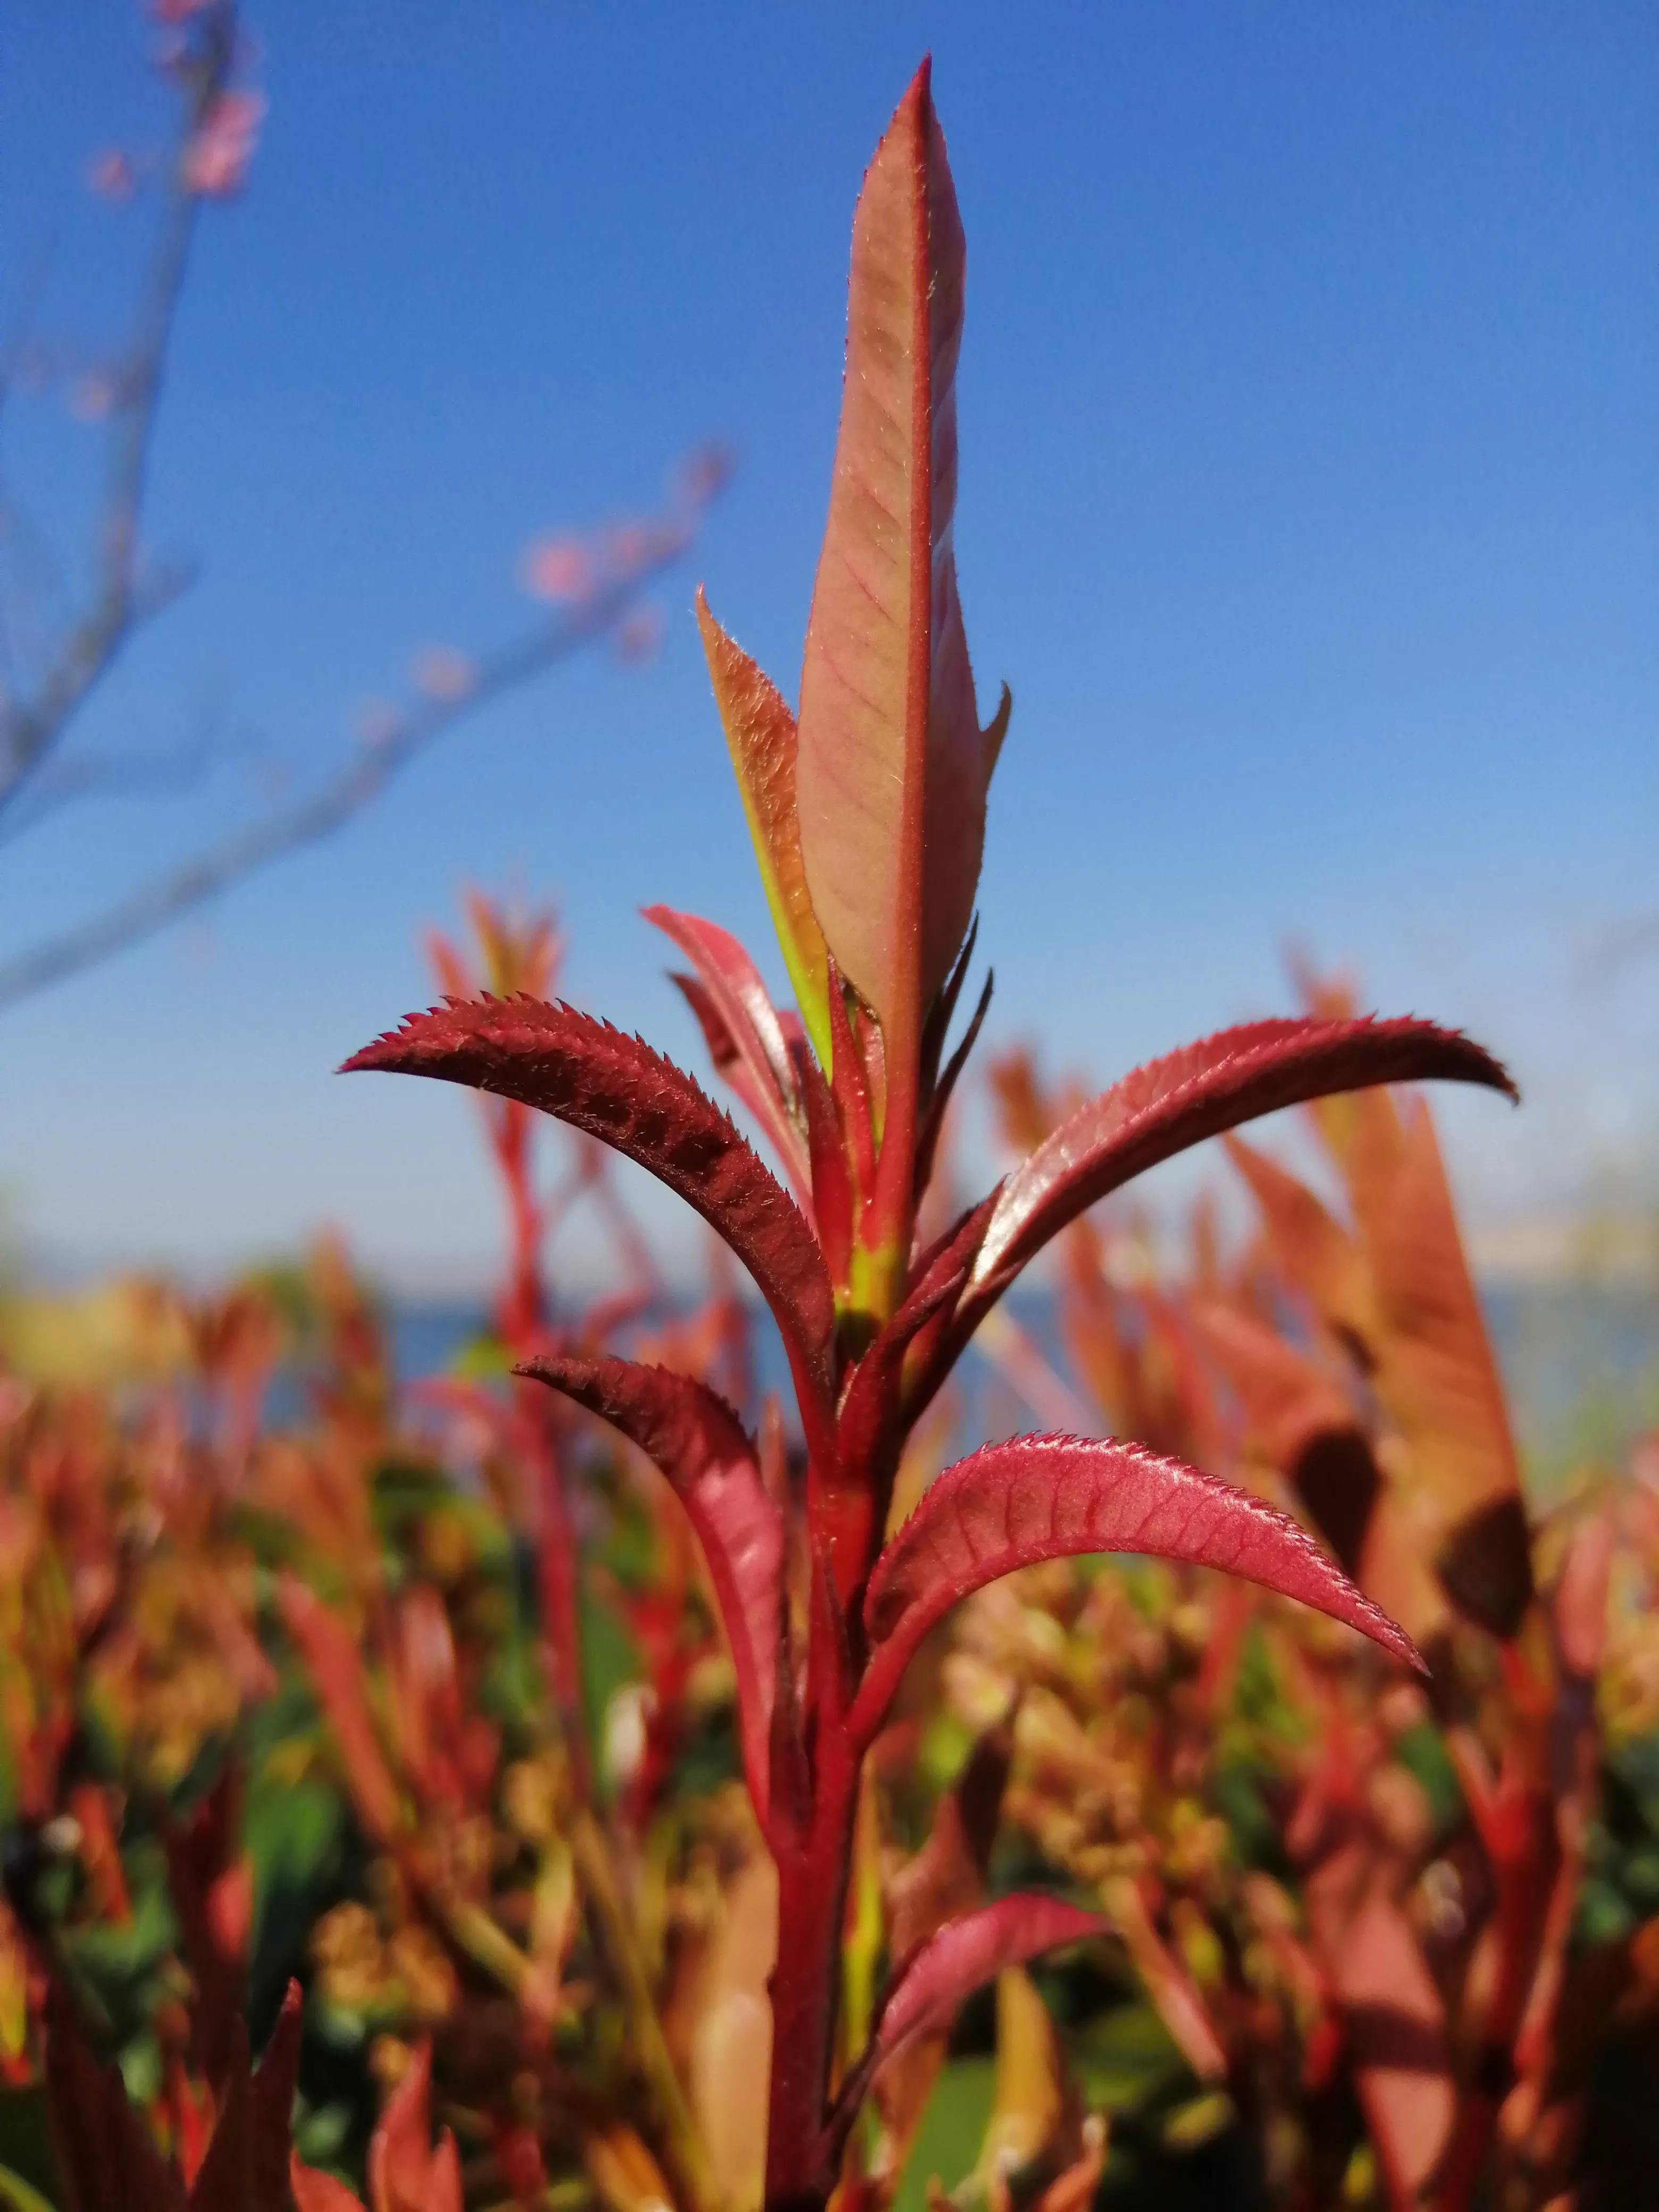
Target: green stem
pixel 689 2155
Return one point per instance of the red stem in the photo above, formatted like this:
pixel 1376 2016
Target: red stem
pixel 556 1561
pixel 521 1318
pixel 1523 1847
pixel 812 1876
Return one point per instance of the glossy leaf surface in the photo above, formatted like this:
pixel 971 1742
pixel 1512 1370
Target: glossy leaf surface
pixel 1045 1498
pixel 969 1952
pixel 750 1021
pixel 724 1051
pixel 1172 1104
pixel 584 1072
pixel 698 1441
pixel 891 766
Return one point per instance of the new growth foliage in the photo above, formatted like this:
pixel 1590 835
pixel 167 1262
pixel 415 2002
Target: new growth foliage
pixel 868 811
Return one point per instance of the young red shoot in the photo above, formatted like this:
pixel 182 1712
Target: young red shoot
pixel 867 814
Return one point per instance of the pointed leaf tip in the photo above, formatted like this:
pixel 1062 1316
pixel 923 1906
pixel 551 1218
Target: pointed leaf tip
pixel 891 764
pixel 1202 1089
pixel 946 1968
pixel 1042 1498
pixel 744 1032
pixel 616 1087
pixel 760 737
pixel 706 1456
pixel 966 1953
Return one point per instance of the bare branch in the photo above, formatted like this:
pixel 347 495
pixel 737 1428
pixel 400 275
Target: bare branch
pixel 66 781
pixel 598 585
pixel 30 728
pixel 180 889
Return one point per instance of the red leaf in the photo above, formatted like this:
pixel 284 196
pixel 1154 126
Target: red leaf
pixel 106 2158
pixel 1286 1396
pixel 1045 1498
pixel 211 1887
pixel 850 1084
pixel 404 2174
pixel 1393 2018
pixel 1172 1104
pixel 614 1087
pixel 760 735
pixel 891 766
pixel 832 1183
pixel 701 1448
pixel 952 1964
pixel 335 1665
pixel 246 2165
pixel 734 1070
pixel 937 1105
pixel 318 2192
pixel 1437 1377
pixel 750 1021
pixel 271 2104
pixel 942 1012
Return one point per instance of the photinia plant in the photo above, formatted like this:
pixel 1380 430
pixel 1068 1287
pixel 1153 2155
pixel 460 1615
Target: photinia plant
pixel 868 813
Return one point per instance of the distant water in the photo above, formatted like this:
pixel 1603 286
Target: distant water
pixel 1581 1364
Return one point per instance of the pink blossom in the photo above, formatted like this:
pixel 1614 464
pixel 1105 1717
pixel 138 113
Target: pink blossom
pixel 442 673
pixel 631 546
pixel 111 175
pixel 639 637
pixel 557 568
pixel 704 473
pixel 93 397
pixel 217 159
pixel 378 723
pixel 178 11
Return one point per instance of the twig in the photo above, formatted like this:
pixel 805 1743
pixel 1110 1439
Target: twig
pixel 179 891
pixel 143 776
pixel 30 728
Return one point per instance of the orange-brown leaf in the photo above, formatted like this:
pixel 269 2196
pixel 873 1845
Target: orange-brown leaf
pixel 405 2173
pixel 1438 1377
pixel 760 736
pixel 892 767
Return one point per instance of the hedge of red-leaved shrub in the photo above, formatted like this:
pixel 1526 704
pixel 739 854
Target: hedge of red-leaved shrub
pixel 714 1806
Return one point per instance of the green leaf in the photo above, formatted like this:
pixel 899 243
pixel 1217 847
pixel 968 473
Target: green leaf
pixel 17 2195
pixel 1421 1752
pixel 1125 2057
pixel 760 736
pixel 947 2142
pixel 27 2164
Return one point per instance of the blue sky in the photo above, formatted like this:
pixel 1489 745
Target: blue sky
pixel 1309 406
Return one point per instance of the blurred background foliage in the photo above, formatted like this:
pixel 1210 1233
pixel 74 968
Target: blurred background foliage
pixel 408 1685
